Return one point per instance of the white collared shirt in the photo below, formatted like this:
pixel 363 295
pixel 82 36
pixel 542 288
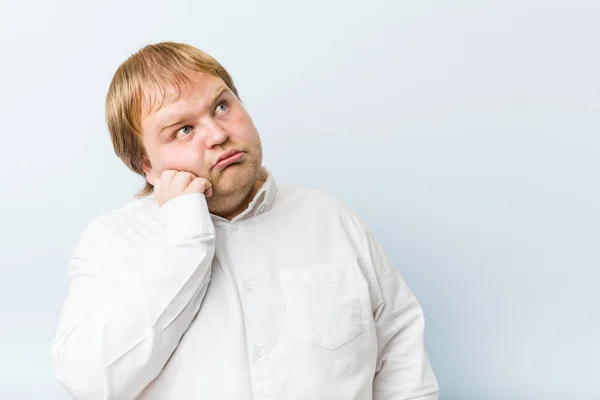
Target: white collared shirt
pixel 292 299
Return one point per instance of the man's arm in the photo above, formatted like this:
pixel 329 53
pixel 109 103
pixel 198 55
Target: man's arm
pixel 403 371
pixel 125 313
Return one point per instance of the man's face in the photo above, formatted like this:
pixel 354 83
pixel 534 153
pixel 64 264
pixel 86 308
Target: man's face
pixel 195 132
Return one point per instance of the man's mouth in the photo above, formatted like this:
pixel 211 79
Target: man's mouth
pixel 228 158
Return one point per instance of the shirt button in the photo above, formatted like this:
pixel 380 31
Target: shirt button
pixel 257 352
pixel 235 228
pixel 248 286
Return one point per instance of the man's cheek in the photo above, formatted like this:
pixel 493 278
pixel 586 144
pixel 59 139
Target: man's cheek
pixel 189 165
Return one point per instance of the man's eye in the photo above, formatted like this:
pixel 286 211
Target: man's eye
pixel 221 108
pixel 184 131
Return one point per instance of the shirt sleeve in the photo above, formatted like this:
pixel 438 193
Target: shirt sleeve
pixel 403 370
pixel 129 301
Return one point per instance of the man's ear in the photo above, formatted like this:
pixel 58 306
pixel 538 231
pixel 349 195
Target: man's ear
pixel 149 171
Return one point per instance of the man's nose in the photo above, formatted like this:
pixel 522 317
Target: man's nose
pixel 214 134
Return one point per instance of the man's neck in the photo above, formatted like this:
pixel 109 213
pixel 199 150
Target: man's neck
pixel 243 205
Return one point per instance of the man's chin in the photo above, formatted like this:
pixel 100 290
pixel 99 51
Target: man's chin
pixel 233 180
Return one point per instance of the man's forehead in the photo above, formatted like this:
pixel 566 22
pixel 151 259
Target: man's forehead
pixel 199 85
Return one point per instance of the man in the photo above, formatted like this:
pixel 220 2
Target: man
pixel 217 283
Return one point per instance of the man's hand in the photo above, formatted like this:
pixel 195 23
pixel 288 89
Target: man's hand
pixel 172 184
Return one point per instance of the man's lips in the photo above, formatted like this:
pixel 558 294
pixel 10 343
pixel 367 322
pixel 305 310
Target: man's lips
pixel 228 158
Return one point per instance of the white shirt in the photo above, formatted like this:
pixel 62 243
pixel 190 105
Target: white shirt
pixel 292 299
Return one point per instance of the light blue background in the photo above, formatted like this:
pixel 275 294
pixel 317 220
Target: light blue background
pixel 466 133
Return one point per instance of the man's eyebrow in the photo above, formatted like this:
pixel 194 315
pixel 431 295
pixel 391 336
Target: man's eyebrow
pixel 178 119
pixel 220 89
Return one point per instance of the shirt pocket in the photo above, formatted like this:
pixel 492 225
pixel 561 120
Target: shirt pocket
pixel 322 303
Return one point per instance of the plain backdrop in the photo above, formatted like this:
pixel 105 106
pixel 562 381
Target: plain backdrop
pixel 466 134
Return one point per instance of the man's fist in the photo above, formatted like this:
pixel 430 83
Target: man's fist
pixel 172 184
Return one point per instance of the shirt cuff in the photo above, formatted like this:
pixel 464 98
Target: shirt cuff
pixel 187 217
pixel 432 396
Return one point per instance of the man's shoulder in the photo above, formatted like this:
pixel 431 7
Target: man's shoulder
pixel 316 200
pixel 325 211
pixel 133 211
pixel 286 192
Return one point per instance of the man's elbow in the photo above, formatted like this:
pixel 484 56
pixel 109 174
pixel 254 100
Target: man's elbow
pixel 81 378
